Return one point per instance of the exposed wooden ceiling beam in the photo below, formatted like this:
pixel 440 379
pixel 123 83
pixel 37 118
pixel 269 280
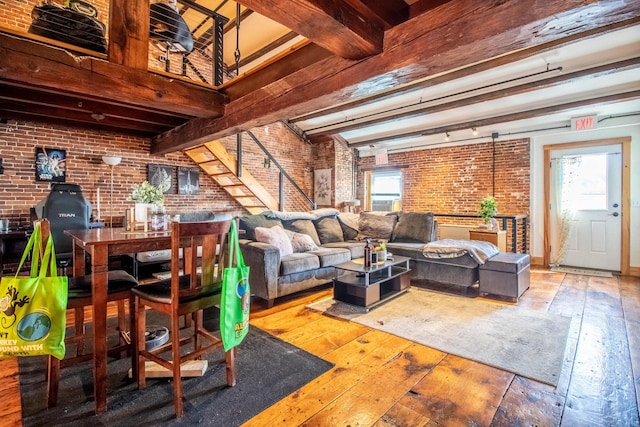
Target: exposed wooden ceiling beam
pixel 336 26
pixel 409 113
pixel 386 13
pixel 105 121
pixel 522 115
pixel 470 70
pixel 87 106
pixel 442 39
pixel 24 62
pixel 297 60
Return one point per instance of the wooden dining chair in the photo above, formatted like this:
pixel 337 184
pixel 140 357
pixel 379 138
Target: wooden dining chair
pixel 119 284
pixel 186 294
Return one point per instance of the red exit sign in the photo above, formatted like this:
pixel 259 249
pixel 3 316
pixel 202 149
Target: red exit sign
pixel 583 123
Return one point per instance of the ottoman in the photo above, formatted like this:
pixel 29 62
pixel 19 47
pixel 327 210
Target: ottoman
pixel 505 275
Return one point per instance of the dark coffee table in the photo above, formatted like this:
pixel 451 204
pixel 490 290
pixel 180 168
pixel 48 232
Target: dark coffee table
pixel 369 286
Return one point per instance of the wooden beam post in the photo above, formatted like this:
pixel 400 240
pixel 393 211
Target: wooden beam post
pixel 129 33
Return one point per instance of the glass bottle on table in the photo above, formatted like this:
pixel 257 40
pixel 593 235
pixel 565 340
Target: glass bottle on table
pixel 367 253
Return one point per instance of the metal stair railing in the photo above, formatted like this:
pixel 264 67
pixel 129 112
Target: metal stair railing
pixel 283 174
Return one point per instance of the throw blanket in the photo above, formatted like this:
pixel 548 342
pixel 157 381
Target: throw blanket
pixel 450 248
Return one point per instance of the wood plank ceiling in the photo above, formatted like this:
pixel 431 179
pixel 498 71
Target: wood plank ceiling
pixel 360 52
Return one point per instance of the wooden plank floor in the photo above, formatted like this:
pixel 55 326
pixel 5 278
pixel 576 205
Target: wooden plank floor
pixel 382 380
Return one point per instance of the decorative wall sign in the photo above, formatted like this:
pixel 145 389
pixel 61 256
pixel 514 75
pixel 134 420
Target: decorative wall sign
pixel 51 164
pixel 188 180
pixel 161 176
pixel 322 187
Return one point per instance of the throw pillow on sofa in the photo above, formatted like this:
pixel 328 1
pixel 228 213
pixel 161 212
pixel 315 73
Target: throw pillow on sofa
pixel 349 224
pixel 329 230
pixel 250 222
pixel 304 226
pixel 376 226
pixel 275 236
pixel 413 227
pixel 301 242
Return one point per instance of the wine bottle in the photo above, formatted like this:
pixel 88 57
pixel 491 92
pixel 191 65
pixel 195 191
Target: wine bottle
pixel 367 253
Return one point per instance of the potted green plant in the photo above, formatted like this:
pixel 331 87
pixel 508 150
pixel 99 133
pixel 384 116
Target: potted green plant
pixel 487 211
pixel 146 196
pixel 381 249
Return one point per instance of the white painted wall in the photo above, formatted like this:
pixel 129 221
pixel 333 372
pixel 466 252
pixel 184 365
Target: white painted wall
pixel 620 127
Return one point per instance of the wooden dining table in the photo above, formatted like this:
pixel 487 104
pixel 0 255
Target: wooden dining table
pixel 101 243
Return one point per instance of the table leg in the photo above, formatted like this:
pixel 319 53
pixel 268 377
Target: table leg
pixel 99 268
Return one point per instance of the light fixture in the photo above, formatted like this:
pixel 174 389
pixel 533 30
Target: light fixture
pixel 97 117
pixel 447 138
pixel 474 131
pixel 111 161
pixel 267 162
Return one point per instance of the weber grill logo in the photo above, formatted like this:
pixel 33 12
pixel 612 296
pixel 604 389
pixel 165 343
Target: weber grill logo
pixel 67 215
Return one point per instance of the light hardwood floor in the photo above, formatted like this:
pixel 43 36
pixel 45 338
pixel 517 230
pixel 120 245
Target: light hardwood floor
pixel 382 380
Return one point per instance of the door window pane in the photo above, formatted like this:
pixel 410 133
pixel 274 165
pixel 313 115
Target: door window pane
pixel 585 182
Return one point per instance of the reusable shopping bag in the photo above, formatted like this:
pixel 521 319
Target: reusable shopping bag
pixel 33 308
pixel 234 303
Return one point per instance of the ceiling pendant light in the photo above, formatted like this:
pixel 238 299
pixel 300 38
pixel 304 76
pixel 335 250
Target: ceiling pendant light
pixel 474 131
pixel 447 138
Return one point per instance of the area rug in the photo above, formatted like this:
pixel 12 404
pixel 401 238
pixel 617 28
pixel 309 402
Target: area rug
pixel 268 369
pixel 583 271
pixel 528 343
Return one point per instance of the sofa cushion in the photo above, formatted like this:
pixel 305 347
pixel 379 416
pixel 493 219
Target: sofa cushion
pixel 304 226
pixel 375 226
pixel 298 262
pixel 332 256
pixel 329 229
pixel 408 249
pixel 275 236
pixel 355 247
pixel 413 227
pixel 250 222
pixel 301 242
pixel 349 224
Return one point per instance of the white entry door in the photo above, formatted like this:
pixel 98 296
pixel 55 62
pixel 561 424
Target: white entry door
pixel 590 186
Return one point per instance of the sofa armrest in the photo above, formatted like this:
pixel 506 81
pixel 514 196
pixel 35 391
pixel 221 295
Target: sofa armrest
pixel 264 262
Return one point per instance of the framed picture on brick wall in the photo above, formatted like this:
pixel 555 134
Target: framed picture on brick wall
pixel 188 180
pixel 161 176
pixel 322 187
pixel 51 164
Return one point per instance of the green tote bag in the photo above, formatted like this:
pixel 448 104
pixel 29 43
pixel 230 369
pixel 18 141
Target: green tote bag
pixel 33 308
pixel 234 303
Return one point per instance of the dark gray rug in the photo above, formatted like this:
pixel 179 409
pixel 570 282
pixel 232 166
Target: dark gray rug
pixel 268 369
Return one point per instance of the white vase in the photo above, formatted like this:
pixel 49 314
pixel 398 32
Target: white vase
pixel 142 211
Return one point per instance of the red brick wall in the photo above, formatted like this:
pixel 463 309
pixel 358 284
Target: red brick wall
pixel 453 180
pixel 344 185
pixel 19 190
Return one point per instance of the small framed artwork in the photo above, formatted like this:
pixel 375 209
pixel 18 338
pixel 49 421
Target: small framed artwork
pixel 51 164
pixel 161 176
pixel 322 187
pixel 188 180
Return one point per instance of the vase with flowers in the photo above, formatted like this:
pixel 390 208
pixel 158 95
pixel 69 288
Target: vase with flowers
pixel 147 197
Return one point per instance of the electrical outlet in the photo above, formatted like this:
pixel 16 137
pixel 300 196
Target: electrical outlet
pixel 635 203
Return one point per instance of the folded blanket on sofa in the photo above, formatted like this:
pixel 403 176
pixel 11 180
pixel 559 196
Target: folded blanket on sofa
pixel 449 248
